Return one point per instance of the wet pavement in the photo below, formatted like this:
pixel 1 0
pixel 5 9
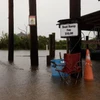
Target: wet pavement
pixel 18 82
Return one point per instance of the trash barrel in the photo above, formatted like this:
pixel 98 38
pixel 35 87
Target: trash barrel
pixel 60 63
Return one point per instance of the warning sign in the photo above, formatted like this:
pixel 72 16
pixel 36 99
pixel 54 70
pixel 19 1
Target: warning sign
pixel 32 20
pixel 68 30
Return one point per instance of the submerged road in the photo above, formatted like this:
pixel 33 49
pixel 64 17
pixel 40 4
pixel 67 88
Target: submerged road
pixel 17 82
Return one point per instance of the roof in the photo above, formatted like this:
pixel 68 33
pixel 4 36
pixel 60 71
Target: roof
pixel 21 34
pixel 87 22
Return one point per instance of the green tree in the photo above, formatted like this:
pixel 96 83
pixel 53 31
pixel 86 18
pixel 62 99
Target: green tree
pixel 21 42
pixel 24 42
pixel 4 41
pixel 62 44
pixel 42 42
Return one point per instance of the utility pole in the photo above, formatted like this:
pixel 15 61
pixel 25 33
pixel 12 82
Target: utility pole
pixel 33 34
pixel 11 32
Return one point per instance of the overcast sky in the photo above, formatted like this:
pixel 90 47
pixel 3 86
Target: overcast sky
pixel 48 13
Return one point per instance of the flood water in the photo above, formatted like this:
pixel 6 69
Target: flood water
pixel 18 82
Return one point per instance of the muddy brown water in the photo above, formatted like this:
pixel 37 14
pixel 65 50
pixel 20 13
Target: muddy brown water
pixel 19 82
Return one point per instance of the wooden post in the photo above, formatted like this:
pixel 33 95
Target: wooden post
pixel 50 45
pixel 49 57
pixel 75 42
pixel 98 38
pixel 68 46
pixel 51 48
pixel 75 13
pixel 87 45
pixel 53 45
pixel 11 32
pixel 33 35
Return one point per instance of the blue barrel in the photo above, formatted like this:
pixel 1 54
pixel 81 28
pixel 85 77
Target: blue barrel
pixel 60 63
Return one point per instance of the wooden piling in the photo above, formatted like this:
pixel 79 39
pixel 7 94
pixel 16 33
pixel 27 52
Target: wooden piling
pixel 11 32
pixel 33 35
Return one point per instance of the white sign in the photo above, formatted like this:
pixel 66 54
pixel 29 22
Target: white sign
pixel 32 20
pixel 68 30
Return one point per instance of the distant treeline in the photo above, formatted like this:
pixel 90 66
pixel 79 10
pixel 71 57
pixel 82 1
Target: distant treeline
pixel 23 42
